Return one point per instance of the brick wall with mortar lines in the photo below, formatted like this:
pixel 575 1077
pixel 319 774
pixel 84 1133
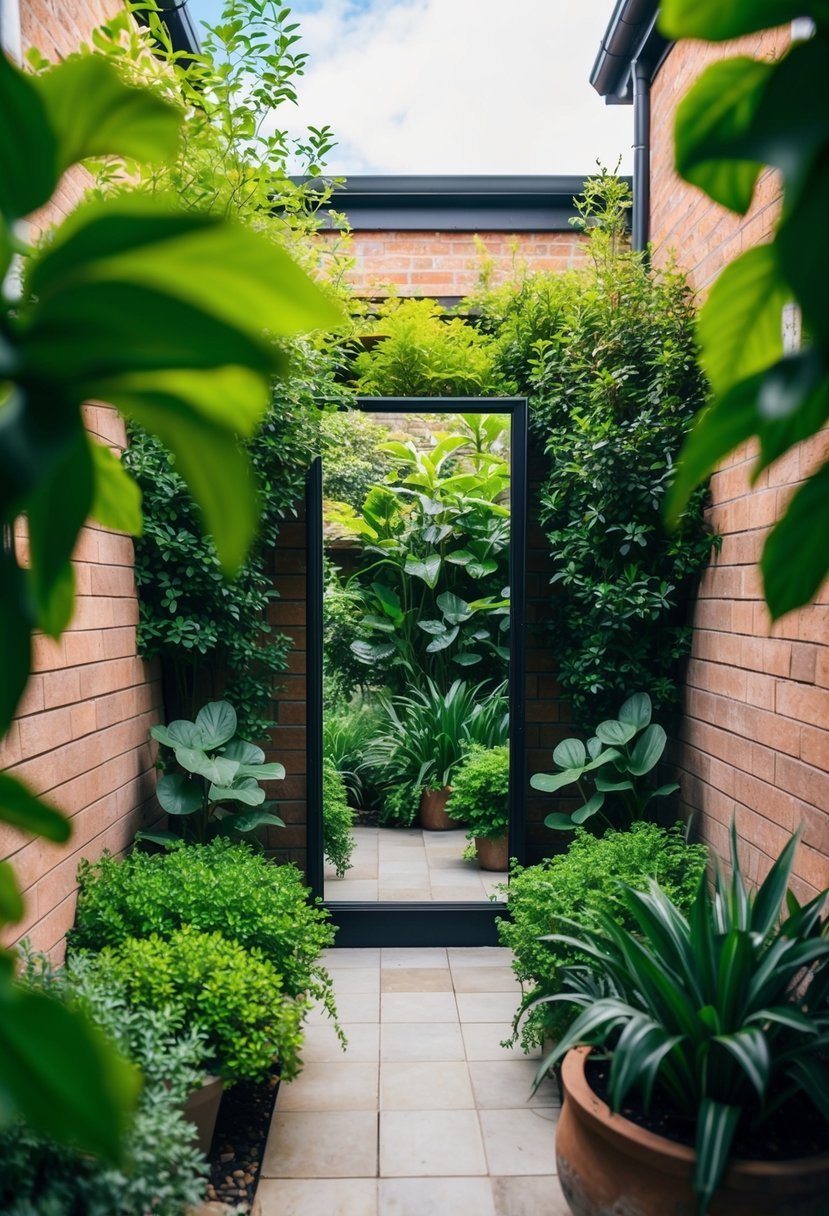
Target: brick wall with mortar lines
pixel 449 263
pixel 81 738
pixel 755 735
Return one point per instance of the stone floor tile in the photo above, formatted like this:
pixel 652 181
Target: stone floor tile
pixel 533 1196
pixel 435 1197
pixel 479 956
pixel 358 889
pixel 519 1141
pixel 430 1144
pixel 424 1086
pixel 332 1086
pixel 367 956
pixel 354 979
pixel 459 895
pixel 487 1006
pixel 322 1046
pixel 352 1007
pixel 398 890
pixel 482 1041
pixel 316 1197
pixel 431 1041
pixel 487 979
pixel 413 956
pixel 321 1144
pixel 418 1007
pixel 415 979
pixel 500 1084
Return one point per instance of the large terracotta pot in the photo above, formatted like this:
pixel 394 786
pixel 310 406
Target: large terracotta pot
pixel 608 1165
pixel 433 817
pixel 202 1109
pixel 493 852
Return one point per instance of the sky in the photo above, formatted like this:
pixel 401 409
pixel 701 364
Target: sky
pixel 455 86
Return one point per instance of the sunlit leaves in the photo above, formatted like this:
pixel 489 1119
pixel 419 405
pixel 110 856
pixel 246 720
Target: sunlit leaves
pixel 720 21
pixel 795 559
pixel 22 810
pixel 117 499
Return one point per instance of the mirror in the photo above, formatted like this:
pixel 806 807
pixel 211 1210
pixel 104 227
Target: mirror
pixel 418 536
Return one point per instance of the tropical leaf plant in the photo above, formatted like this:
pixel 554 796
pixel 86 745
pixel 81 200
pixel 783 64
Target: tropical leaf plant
pixel 722 1014
pixel 739 116
pixel 216 783
pixel 616 762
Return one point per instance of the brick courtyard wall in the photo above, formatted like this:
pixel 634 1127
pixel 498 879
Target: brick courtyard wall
pixel 755 736
pixel 449 263
pixel 81 738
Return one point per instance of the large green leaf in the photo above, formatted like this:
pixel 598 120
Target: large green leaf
pixel 716 1126
pixel 248 821
pixel 63 1075
pixel 116 501
pixel 711 125
pixel 615 733
pixel 217 769
pixel 11 901
pixel 180 733
pixel 229 396
pixel 647 750
pixel 28 147
pixel 179 795
pixel 792 404
pixel 570 753
pixel 795 557
pixel 443 640
pixel 740 325
pixel 428 569
pixel 454 609
pixel 15 638
pixel 248 791
pixel 20 808
pixel 273 771
pixel 718 20
pixel 216 723
pixel 244 752
pixel 593 805
pixel 368 652
pixel 94 113
pixel 637 710
pixel 548 783
pixel 803 243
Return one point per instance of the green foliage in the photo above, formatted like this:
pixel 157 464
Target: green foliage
pixel 337 819
pixel 607 357
pixel 231 994
pixel 343 609
pixel 164 1174
pixel 215 786
pixel 425 355
pixel 353 459
pixel 579 883
pixel 480 792
pixel 722 1008
pixel 616 761
pixel 347 731
pixel 223 886
pixel 738 117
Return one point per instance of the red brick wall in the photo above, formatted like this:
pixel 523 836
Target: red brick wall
pixel 81 738
pixel 449 263
pixel 755 736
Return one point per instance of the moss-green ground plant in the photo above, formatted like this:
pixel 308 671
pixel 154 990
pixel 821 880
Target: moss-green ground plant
pixel 337 819
pixel 578 883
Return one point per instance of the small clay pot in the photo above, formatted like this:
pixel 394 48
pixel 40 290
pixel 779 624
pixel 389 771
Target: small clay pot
pixel 433 817
pixel 202 1109
pixel 493 853
pixel 607 1164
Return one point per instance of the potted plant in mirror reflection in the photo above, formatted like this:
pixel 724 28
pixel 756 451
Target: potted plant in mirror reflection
pixel 480 799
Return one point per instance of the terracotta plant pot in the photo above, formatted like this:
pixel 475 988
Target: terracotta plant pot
pixel 202 1109
pixel 493 852
pixel 608 1164
pixel 433 817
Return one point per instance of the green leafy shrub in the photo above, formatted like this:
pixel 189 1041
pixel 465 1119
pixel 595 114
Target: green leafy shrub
pixel 224 887
pixel 480 792
pixel 230 993
pixel 343 609
pixel 337 819
pixel 166 1171
pixel 578 883
pixel 347 731
pixel 353 459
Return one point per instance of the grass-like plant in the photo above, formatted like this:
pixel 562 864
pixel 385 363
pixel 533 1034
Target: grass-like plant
pixel 723 1013
pixel 480 793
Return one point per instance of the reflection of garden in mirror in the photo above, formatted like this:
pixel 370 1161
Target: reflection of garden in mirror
pixel 416 539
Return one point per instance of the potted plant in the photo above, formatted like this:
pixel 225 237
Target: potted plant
pixel 480 799
pixel 710 1035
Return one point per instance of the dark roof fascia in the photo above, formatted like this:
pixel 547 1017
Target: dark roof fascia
pixel 458 203
pixel 631 36
pixel 180 25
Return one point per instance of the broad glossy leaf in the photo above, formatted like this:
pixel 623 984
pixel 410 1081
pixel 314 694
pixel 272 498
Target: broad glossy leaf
pixel 247 791
pixel 795 558
pixel 740 329
pixel 180 733
pixel 716 1126
pixel 15 638
pixel 380 622
pixel 548 783
pixel 466 658
pixel 11 901
pixel 717 21
pixel 636 710
pixel 433 627
pixel 802 242
pixel 590 808
pixel 443 641
pixel 461 557
pixel 792 405
pixel 647 750
pixel 178 795
pixel 389 602
pixel 560 822
pixel 248 821
pixel 480 569
pixel 749 1047
pixel 94 113
pixel 164 838
pixel 28 147
pixel 368 652
pixel 454 608
pixel 711 125
pixel 233 397
pixel 663 791
pixel 606 786
pixel 244 752
pixel 273 771
pixel 64 1076
pixel 615 733
pixel 216 769
pixel 216 723
pixel 428 569
pixel 20 808
pixel 116 501
pixel 570 753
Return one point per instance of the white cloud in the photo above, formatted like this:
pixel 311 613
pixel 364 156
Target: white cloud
pixel 459 86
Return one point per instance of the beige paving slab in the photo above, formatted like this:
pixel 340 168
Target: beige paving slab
pixel 431 1143
pixel 354 979
pixel 413 956
pixel 415 979
pixel 358 869
pixel 316 1197
pixel 487 979
pixel 479 956
pixel 351 1007
pixel 482 1041
pixel 418 1007
pixel 459 895
pixel 430 1041
pixel 532 1196
pixel 500 1084
pixel 436 1197
pixel 332 1086
pixel 519 1141
pixel 423 1086
pixel 404 869
pixel 409 850
pixel 368 956
pixel 321 1144
pixel 321 1044
pixel 487 1007
pixel 400 890
pixel 348 889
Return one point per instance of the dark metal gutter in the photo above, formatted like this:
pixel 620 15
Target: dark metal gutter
pixel 180 25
